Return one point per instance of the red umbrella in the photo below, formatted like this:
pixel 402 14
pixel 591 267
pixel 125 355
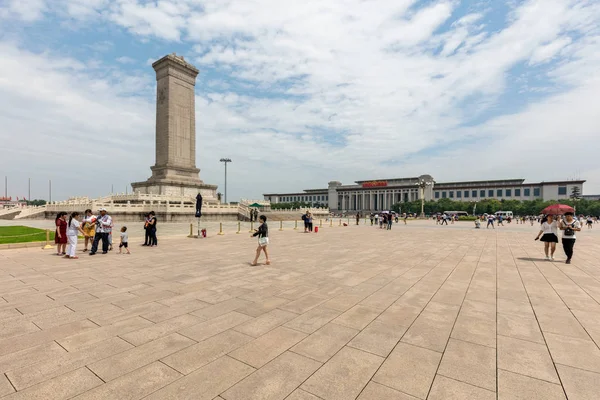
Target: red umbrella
pixel 557 209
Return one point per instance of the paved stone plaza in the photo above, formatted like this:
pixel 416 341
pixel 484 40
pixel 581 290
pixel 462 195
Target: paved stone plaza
pixel 420 312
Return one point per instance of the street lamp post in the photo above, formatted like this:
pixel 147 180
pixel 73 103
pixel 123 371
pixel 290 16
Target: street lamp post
pixel 422 183
pixel 225 160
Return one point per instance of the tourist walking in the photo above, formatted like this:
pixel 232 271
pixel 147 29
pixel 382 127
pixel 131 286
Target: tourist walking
pixel 569 226
pixel 152 228
pixel 73 230
pixel 500 220
pixel 490 221
pixel 263 240
pixel 589 222
pixel 549 235
pixel 60 235
pixel 357 218
pixel 444 219
pixel 310 221
pixel 103 228
pixel 390 221
pixel 89 228
pixel 124 240
pixel 405 218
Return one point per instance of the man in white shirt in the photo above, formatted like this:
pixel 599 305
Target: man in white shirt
pixel 103 229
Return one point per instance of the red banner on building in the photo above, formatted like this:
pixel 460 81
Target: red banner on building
pixel 374 184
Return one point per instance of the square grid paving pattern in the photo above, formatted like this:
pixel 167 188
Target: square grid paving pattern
pixel 418 312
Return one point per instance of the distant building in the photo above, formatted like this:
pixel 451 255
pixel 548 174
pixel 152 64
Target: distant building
pixel 381 194
pixel 8 202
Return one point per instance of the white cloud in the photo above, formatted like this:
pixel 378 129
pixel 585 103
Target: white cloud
pixel 30 10
pixel 331 90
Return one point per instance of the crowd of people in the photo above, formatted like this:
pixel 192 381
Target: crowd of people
pixel 98 228
pixel 95 229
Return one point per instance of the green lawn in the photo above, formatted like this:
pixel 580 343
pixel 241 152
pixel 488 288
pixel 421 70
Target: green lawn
pixel 22 234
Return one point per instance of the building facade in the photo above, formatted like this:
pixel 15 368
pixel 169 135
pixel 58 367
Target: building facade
pixel 381 194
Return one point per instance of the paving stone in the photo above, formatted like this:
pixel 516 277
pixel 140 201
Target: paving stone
pixel 526 358
pixel 265 323
pixel 30 356
pixel 51 368
pixel 450 389
pixel 312 320
pixel 303 304
pixel 212 327
pixel 474 329
pixel 222 306
pixel 409 369
pixel 343 376
pixel 16 327
pixel 5 386
pixel 159 330
pixel 513 386
pixel 519 327
pixel 205 352
pixel 123 363
pixel 579 384
pixel 134 385
pixel 574 352
pixel 325 342
pixel 470 363
pixel 175 310
pixel 300 394
pixel 62 387
pixel 379 300
pixel 265 348
pixel 205 383
pixel 276 380
pixel 378 338
pixel 376 391
pixel 86 338
pixel 432 328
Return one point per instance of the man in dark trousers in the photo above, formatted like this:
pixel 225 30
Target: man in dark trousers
pixel 199 205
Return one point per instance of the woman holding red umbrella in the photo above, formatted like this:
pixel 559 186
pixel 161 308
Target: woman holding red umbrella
pixel 569 226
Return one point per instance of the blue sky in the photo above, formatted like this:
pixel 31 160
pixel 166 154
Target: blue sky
pixel 301 93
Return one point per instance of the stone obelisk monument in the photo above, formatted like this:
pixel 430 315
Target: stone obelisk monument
pixel 175 171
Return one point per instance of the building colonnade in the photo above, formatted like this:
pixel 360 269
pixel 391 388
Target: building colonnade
pixel 375 200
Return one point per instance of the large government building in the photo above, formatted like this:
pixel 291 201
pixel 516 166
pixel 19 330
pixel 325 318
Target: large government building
pixel 381 194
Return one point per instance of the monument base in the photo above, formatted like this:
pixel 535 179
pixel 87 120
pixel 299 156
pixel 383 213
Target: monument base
pixel 175 188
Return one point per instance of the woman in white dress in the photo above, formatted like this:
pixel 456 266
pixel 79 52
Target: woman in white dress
pixel 73 230
pixel 549 235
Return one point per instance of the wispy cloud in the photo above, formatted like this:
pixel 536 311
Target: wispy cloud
pixel 302 93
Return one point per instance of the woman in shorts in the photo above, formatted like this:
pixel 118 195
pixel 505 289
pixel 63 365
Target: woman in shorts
pixel 549 235
pixel 263 240
pixel 89 228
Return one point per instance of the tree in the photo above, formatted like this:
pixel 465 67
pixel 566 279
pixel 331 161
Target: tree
pixel 36 202
pixel 575 193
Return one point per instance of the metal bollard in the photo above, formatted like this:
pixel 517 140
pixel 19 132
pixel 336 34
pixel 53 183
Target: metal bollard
pixel 191 230
pixel 331 222
pixel 239 227
pixel 320 223
pixel 296 225
pixel 340 222
pixel 280 225
pixel 48 245
pixel 220 229
pixel 366 220
pixel 251 227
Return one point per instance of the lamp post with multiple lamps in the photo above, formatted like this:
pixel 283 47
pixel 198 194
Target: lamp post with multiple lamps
pixel 422 183
pixel 225 160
